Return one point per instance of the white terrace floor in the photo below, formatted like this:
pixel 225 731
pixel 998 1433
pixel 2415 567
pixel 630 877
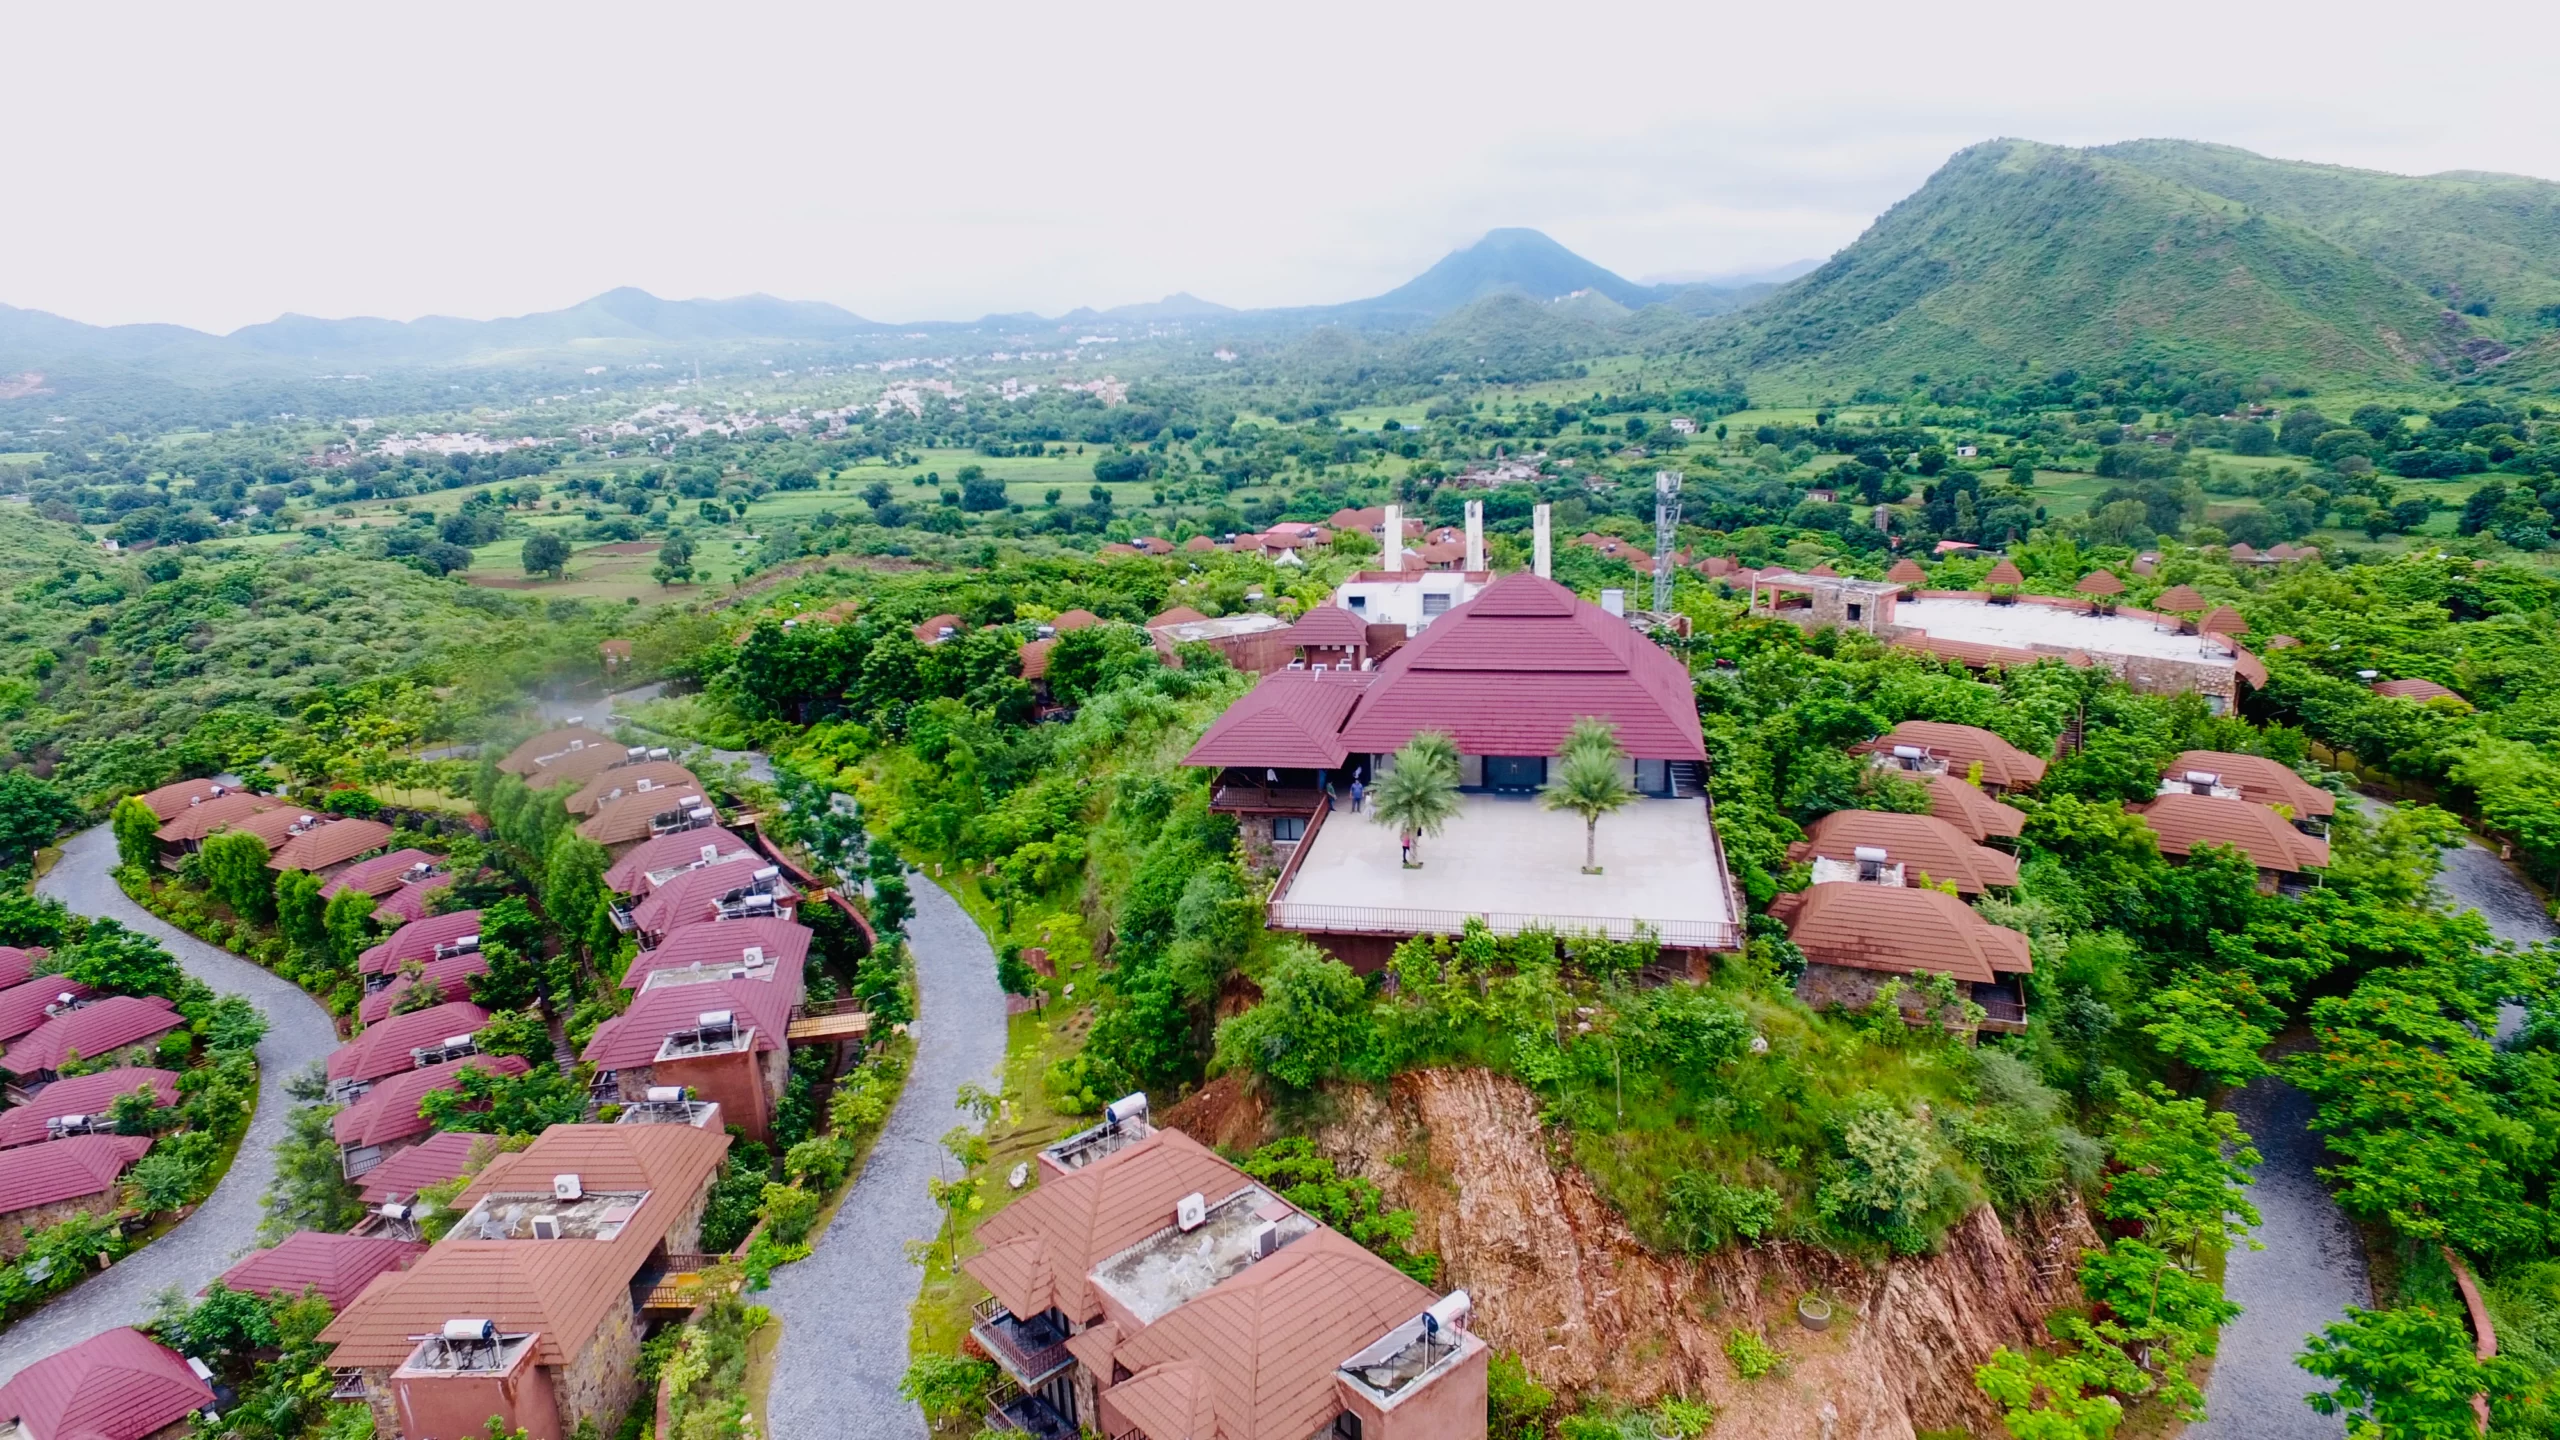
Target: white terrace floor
pixel 1518 865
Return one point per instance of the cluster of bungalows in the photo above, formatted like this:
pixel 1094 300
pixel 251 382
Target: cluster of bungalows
pixel 60 1155
pixel 1878 908
pixel 1149 1290
pixel 326 845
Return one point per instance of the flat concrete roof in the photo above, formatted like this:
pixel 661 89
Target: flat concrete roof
pixel 2028 627
pixel 1516 864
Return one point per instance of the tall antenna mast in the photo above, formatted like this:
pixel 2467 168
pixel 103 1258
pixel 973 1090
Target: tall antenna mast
pixel 1666 530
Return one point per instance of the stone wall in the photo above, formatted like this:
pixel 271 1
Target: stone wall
pixel 14 1225
pixel 1847 987
pixel 600 1382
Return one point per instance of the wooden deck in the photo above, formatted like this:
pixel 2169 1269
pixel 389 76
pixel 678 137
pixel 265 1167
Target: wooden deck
pixel 826 1029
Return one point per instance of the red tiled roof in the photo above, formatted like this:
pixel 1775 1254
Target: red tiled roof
pixel 2184 821
pixel 1975 815
pixel 2257 778
pixel 92 1030
pixel 1509 672
pixel 378 876
pixel 1036 1252
pixel 409 902
pixel 688 898
pixel 562 1291
pixel 417 940
pixel 116 1385
pixel 521 760
pixel 333 843
pixel 194 822
pixel 578 766
pixel 338 1266
pixel 2414 689
pixel 1266 1341
pixel 2180 600
pixel 723 942
pixel 93 1094
pixel 1177 615
pixel 2003 764
pixel 1900 930
pixel 18 964
pixel 170 801
pixel 632 817
pixel 1292 719
pixel 1035 658
pixel 677 847
pixel 383 1049
pixel 431 1161
pixel 22 1006
pixel 1076 619
pixel 632 1038
pixel 60 1170
pixel 929 630
pixel 1199 542
pixel 389 1111
pixel 1906 571
pixel 1923 844
pixel 2223 621
pixel 2099 582
pixel 1329 625
pixel 2004 573
pixel 450 976
pixel 651 776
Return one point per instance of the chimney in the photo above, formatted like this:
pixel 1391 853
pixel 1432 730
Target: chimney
pixel 1391 538
pixel 1543 561
pixel 1475 536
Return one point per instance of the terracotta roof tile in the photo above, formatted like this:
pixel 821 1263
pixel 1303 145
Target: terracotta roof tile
pixel 431 1161
pixel 629 875
pixel 632 817
pixel 2413 689
pixel 380 875
pixel 2099 582
pixel 1906 571
pixel 389 1111
pixel 338 1266
pixel 410 901
pixel 1035 658
pixel 450 976
pixel 93 1030
pixel 2004 573
pixel 523 760
pixel 18 964
pixel 1293 719
pixel 1266 1340
pixel 562 1289
pixel 578 766
pixel 170 801
pixel 2185 821
pixel 91 1094
pixel 2003 764
pixel 631 1039
pixel 383 1049
pixel 1176 615
pixel 1329 625
pixel 60 1170
pixel 2223 621
pixel 1036 1252
pixel 116 1385
pixel 630 780
pixel 22 1006
pixel 1924 844
pixel 2257 778
pixel 333 843
pixel 723 942
pixel 688 899
pixel 417 940
pixel 1900 930
pixel 197 821
pixel 1975 815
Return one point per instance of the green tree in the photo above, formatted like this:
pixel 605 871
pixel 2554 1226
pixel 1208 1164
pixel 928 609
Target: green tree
pixel 136 830
pixel 2181 1169
pixel 235 871
pixel 348 922
pixel 1418 794
pixel 675 559
pixel 310 1191
pixel 32 812
pixel 481 1099
pixel 574 894
pixel 300 912
pixel 2403 1374
pixel 1588 783
pixel 546 554
pixel 118 961
pixel 1313 1022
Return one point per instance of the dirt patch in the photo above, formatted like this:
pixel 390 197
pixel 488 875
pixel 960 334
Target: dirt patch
pixel 1559 1278
pixel 623 547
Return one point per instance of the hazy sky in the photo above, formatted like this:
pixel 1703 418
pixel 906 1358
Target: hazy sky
pixel 216 165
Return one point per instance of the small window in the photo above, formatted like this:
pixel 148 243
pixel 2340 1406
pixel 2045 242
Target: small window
pixel 1435 603
pixel 1288 829
pixel 1856 611
pixel 1359 602
pixel 1346 1426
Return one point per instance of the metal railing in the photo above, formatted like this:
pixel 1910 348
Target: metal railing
pixel 1404 920
pixel 1289 871
pixel 999 1331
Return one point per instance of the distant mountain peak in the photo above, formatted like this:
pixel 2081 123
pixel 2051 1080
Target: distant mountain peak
pixel 1513 259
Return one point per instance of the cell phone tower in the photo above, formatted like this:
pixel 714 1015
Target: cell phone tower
pixel 1666 530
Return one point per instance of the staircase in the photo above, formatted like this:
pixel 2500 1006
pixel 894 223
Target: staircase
pixel 1688 780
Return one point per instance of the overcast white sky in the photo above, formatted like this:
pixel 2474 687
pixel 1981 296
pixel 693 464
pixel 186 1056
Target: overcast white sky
pixel 217 165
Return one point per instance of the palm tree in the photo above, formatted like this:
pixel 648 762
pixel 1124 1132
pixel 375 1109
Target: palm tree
pixel 1588 782
pixel 1419 793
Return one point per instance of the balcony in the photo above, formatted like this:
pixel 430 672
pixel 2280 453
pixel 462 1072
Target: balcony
pixel 1031 1351
pixel 2004 1011
pixel 1011 1411
pixel 1255 798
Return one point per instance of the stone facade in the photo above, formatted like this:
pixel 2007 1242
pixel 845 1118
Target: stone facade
pixel 601 1381
pixel 14 1225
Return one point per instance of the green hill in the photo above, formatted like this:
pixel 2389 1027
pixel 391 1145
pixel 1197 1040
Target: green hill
pixel 2017 255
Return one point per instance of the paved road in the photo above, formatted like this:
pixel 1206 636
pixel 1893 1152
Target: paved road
pixel 2311 1269
pixel 2474 878
pixel 205 1243
pixel 844 1309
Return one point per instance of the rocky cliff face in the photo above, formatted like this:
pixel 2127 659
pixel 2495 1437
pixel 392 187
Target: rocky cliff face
pixel 1559 1279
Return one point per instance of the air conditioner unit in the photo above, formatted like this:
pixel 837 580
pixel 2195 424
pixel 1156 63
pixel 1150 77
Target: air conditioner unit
pixel 1266 1240
pixel 753 956
pixel 710 854
pixel 546 1227
pixel 643 785
pixel 661 753
pixel 1191 1211
pixel 565 1187
pixel 636 752
pixel 703 814
pixel 201 1370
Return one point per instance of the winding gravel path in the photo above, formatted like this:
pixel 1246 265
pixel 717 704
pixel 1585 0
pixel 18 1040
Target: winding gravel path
pixel 844 1309
pixel 206 1242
